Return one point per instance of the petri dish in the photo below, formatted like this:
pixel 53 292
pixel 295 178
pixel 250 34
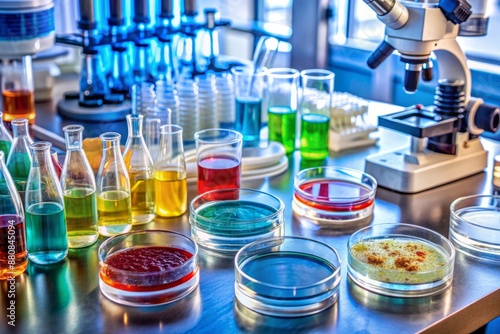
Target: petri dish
pixel 475 226
pixel 148 268
pixel 287 276
pixel 400 260
pixel 334 196
pixel 224 220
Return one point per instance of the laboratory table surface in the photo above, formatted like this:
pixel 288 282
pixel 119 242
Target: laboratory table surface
pixel 65 298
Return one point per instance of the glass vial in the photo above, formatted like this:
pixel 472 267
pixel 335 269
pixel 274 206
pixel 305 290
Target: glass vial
pixel 93 84
pixel 140 170
pixel 79 189
pixel 114 212
pixel 120 77
pixel 45 218
pixel 13 253
pixel 142 63
pixel 19 159
pixel 18 97
pixel 170 175
pixel 5 138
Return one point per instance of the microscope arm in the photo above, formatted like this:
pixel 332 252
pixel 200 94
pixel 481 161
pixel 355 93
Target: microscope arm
pixel 453 63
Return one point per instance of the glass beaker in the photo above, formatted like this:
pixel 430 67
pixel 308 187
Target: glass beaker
pixel 315 109
pixel 141 173
pixel 170 175
pixel 249 87
pixel 5 138
pixel 93 84
pixel 19 159
pixel 45 217
pixel 13 253
pixel 18 97
pixel 114 214
pixel 79 189
pixel 282 102
pixel 219 159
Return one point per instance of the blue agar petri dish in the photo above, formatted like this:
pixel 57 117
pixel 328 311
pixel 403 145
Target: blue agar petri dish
pixel 287 276
pixel 331 196
pixel 400 260
pixel 148 268
pixel 224 220
pixel 475 226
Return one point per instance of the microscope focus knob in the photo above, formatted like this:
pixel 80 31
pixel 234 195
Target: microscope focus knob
pixel 456 11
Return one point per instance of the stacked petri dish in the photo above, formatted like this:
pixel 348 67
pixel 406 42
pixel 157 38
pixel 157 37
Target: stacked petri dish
pixel 225 100
pixel 187 90
pixel 334 197
pixel 475 226
pixel 224 220
pixel 167 97
pixel 148 268
pixel 207 100
pixel 287 276
pixel 400 260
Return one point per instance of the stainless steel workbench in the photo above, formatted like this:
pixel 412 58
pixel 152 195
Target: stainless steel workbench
pixel 65 298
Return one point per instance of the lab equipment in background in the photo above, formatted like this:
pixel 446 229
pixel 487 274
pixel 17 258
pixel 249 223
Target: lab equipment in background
pixel 444 138
pixel 143 97
pixel 168 98
pixel 249 87
pixel 113 189
pixel 170 174
pixel 93 86
pixel 120 76
pixel 79 189
pixel 19 159
pixel 282 98
pixel 315 108
pixel 350 126
pixel 225 100
pixel 5 138
pixel 141 172
pixel 27 27
pixel 12 229
pixel 45 215
pixel 207 101
pixel 187 90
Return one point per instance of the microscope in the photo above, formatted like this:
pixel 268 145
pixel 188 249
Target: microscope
pixel 444 137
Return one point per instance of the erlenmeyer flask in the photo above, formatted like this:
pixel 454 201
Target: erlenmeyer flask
pixel 19 159
pixel 5 138
pixel 13 254
pixel 78 185
pixel 170 175
pixel 45 219
pixel 114 213
pixel 140 170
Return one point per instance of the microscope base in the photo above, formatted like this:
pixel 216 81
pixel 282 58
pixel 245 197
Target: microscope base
pixel 107 112
pixel 409 172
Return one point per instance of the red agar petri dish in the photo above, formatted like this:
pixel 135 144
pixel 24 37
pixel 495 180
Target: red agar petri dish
pixel 148 268
pixel 334 196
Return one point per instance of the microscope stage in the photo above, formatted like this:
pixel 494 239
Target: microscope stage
pixel 409 172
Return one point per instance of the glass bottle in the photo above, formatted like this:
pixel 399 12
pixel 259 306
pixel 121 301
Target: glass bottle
pixel 5 138
pixel 13 254
pixel 45 218
pixel 79 189
pixel 140 170
pixel 19 159
pixel 18 97
pixel 165 69
pixel 114 214
pixel 170 175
